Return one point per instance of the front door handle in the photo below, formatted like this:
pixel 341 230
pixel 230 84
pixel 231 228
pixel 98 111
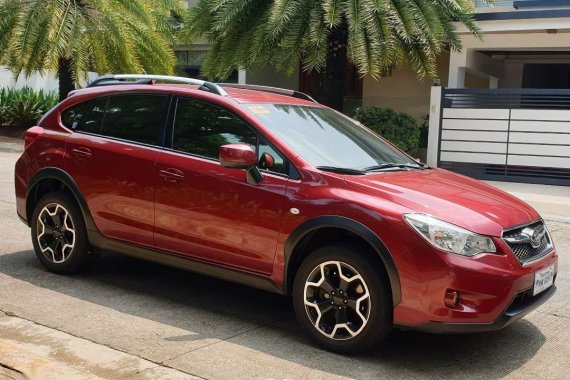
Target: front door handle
pixel 172 175
pixel 81 152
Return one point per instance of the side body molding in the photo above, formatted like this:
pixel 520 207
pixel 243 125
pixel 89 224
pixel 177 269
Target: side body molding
pixel 358 229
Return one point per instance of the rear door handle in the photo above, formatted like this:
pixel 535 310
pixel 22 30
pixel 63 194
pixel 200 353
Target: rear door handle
pixel 172 175
pixel 81 152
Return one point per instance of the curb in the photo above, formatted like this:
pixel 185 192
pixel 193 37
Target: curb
pixel 29 350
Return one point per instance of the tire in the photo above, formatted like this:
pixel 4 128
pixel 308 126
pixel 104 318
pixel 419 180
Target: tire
pixel 59 235
pixel 338 299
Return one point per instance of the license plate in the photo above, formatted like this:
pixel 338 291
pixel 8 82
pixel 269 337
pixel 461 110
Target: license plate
pixel 543 279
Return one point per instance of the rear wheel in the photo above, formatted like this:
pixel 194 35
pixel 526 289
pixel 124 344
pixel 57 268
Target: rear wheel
pixel 59 235
pixel 342 300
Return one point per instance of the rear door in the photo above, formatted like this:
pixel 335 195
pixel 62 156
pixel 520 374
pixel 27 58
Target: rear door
pixel 111 155
pixel 208 212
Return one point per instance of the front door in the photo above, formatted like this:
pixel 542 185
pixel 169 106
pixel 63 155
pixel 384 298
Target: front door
pixel 208 212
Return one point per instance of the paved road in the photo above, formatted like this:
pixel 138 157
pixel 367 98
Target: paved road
pixel 213 329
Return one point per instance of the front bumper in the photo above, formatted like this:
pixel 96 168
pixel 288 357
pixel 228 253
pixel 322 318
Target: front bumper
pixel 520 306
pixel 494 289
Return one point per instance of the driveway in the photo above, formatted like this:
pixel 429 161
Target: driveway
pixel 169 323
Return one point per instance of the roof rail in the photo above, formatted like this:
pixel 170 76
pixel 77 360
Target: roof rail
pixel 148 79
pixel 274 90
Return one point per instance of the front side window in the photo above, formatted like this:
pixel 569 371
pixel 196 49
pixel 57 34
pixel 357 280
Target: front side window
pixel 201 129
pixel 136 117
pixel 279 165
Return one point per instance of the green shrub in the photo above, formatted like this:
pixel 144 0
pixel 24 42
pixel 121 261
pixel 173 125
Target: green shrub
pixel 399 128
pixel 24 107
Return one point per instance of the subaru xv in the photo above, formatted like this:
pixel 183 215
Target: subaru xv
pixel 265 187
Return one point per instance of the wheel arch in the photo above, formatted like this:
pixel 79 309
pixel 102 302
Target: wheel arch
pixel 299 240
pixel 54 179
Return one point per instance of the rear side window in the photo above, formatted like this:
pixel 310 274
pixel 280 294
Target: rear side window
pixel 92 120
pixel 201 129
pixel 138 118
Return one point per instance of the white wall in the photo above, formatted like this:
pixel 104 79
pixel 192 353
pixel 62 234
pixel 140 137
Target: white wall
pixel 36 81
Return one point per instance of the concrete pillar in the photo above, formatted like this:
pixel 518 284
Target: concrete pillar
pixel 434 120
pixel 242 76
pixel 457 64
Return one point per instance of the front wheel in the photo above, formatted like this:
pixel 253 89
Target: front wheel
pixel 59 235
pixel 342 300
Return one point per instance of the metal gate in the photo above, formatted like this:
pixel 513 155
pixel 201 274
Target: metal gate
pixel 517 135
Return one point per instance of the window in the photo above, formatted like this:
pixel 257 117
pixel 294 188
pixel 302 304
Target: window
pixel 201 129
pixel 93 118
pixel 72 116
pixel 324 137
pixel 279 166
pixel 139 118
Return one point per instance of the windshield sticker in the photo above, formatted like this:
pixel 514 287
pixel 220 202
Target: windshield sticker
pixel 260 110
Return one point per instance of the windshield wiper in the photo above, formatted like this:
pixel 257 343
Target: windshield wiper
pixel 334 169
pixel 392 165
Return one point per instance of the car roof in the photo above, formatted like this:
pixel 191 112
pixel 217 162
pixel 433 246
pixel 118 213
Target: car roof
pixel 239 95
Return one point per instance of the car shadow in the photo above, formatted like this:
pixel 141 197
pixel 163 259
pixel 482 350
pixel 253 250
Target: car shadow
pixel 170 296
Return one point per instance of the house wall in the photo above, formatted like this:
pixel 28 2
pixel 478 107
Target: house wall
pixel 268 76
pixel 474 81
pixel 513 76
pixel 403 91
pixel 506 35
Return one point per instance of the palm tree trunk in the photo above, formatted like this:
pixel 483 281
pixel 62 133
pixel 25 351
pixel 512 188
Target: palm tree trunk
pixel 66 84
pixel 333 81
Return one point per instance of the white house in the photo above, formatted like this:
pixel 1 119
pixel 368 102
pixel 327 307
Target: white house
pixel 505 111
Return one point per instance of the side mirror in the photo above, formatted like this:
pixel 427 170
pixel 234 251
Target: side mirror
pixel 237 156
pixel 266 161
pixel 241 156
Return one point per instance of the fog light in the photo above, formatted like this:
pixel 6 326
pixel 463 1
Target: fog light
pixel 452 298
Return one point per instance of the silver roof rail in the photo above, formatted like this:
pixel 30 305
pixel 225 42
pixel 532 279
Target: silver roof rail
pixel 118 79
pixel 273 90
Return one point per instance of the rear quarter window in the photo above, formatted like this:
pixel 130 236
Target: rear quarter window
pixel 92 120
pixel 71 117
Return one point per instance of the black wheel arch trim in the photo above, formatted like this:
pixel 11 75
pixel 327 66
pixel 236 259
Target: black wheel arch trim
pixel 358 229
pixel 62 176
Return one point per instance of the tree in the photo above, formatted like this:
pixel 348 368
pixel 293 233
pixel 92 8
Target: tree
pixel 374 35
pixel 71 37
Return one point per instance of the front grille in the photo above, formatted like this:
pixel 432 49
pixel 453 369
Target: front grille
pixel 524 251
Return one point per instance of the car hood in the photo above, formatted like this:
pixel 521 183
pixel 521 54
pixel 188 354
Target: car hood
pixel 451 197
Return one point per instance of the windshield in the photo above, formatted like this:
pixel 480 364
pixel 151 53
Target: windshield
pixel 325 138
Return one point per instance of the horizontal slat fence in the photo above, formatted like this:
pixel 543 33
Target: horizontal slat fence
pixel 506 134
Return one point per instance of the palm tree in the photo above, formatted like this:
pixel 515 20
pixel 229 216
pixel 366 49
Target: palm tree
pixel 374 35
pixel 71 37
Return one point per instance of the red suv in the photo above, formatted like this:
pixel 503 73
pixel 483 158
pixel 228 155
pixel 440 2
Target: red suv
pixel 265 187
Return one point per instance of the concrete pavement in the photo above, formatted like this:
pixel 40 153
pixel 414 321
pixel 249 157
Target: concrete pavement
pixel 39 352
pixel 145 316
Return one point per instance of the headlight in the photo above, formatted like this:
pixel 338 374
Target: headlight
pixel 448 237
